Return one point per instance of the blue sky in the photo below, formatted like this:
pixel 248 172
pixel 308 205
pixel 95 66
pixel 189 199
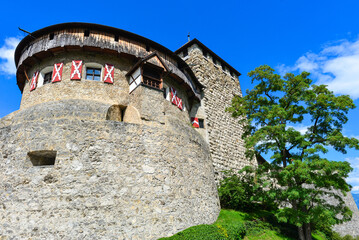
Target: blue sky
pixel 316 36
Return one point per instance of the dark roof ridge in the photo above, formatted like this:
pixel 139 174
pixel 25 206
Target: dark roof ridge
pixel 196 41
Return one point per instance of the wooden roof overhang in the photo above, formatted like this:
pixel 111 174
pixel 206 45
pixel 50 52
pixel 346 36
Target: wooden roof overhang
pixel 144 60
pixel 185 83
pixel 37 46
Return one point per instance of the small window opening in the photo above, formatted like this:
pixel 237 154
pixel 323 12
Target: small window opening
pixel 185 52
pixel 116 113
pixel 165 93
pixel 42 157
pixel 201 123
pixel 87 33
pixel 205 54
pixel 52 36
pixel 147 48
pixel 93 74
pixel 116 38
pixel 47 78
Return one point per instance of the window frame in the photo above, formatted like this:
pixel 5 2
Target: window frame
pixel 152 79
pixel 201 123
pixel 93 66
pixel 43 72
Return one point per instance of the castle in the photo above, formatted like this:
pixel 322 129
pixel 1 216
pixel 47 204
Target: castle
pixel 117 137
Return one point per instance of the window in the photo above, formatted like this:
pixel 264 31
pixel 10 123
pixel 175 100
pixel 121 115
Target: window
pixel 205 54
pixel 201 123
pixel 42 157
pixel 185 52
pixel 51 36
pixel 214 61
pixel 87 33
pixel 152 77
pixel 47 78
pixel 116 38
pixel 93 73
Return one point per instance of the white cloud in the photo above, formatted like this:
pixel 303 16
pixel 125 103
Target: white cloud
pixel 355 189
pixel 336 66
pixel 7 65
pixel 300 128
pixel 353 178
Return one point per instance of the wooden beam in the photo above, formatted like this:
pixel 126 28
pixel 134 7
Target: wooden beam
pixel 38 60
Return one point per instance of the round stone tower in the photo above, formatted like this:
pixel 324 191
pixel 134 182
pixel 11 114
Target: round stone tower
pixel 102 146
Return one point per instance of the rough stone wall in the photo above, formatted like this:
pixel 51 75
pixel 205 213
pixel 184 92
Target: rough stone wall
pixel 350 227
pixel 224 133
pixel 111 180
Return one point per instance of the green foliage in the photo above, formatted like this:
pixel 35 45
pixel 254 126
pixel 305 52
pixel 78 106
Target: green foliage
pixel 298 174
pixel 226 231
pixel 332 235
pixel 202 232
pixel 240 191
pixel 244 191
pixel 256 225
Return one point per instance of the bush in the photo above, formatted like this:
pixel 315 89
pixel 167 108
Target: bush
pixel 200 232
pixel 233 231
pixel 332 235
pixel 241 191
pixel 210 232
pixel 236 190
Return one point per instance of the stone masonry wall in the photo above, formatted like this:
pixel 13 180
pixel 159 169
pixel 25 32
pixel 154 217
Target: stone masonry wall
pixel 224 133
pixel 350 227
pixel 111 180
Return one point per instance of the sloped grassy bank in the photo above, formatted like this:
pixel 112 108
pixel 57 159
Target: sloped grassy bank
pixel 258 225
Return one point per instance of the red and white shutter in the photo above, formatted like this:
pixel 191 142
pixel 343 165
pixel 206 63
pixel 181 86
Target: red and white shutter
pixel 34 81
pixel 195 122
pixel 109 73
pixel 179 105
pixel 76 70
pixel 174 99
pixel 57 72
pixel 173 96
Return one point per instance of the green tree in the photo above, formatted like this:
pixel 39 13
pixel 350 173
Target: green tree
pixel 298 173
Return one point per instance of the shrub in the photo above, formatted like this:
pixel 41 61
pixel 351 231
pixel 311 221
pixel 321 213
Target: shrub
pixel 210 232
pixel 242 191
pixel 234 231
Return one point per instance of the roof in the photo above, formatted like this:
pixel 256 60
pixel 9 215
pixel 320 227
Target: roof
pixel 91 26
pixel 143 60
pixel 196 41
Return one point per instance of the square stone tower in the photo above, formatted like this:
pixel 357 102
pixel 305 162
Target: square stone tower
pixel 222 131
